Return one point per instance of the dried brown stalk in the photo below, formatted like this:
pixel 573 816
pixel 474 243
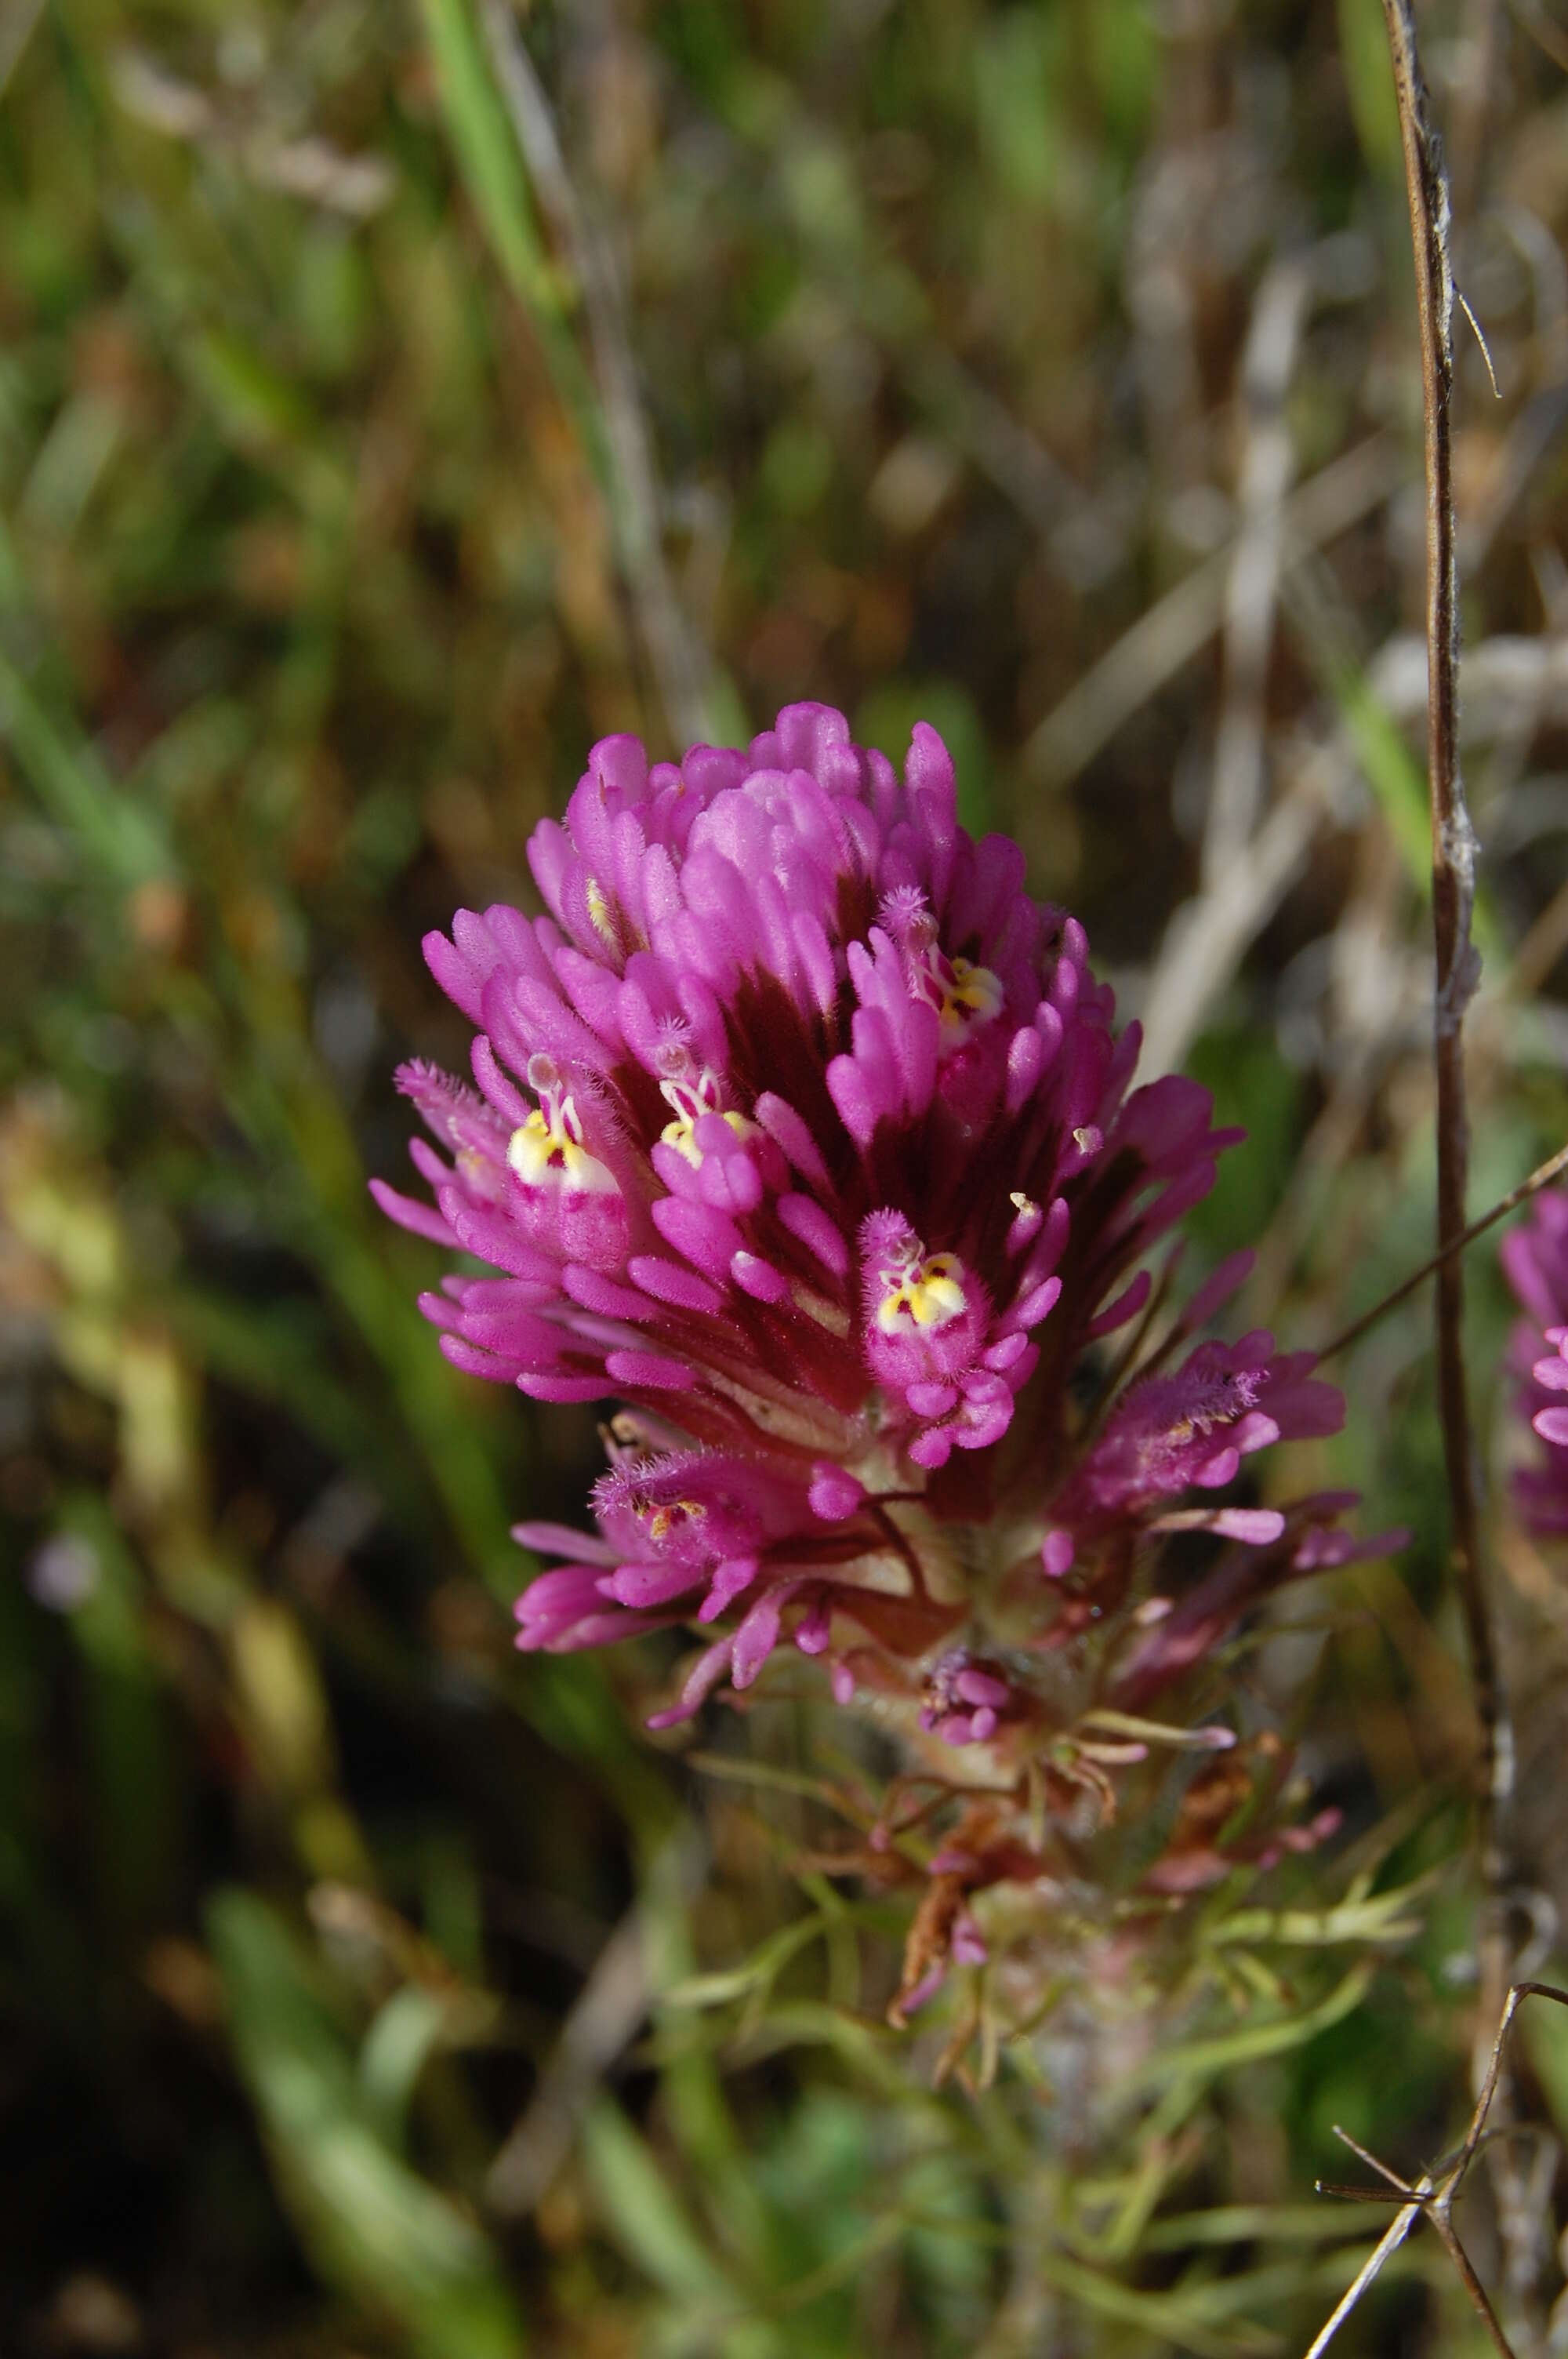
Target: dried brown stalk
pixel 1453 891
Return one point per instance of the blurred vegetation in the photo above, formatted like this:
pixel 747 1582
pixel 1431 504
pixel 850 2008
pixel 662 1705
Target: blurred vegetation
pixel 392 401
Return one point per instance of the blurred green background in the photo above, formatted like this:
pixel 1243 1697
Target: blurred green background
pixel 393 399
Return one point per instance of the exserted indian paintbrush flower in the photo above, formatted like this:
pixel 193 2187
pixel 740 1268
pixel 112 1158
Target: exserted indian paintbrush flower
pixel 800 1131
pixel 1535 1262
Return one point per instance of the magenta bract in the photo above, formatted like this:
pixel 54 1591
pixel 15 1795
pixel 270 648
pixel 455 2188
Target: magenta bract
pixel 802 1132
pixel 1535 1262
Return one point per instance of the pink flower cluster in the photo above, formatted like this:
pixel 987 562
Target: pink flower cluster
pixel 801 1131
pixel 1535 1262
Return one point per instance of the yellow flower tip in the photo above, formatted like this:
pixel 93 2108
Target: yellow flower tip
pixel 546 1151
pixel 603 915
pixel 927 1296
pixel 692 1101
pixel 676 1515
pixel 966 997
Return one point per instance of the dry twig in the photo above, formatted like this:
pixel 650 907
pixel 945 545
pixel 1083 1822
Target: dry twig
pixel 1542 1177
pixel 1433 2195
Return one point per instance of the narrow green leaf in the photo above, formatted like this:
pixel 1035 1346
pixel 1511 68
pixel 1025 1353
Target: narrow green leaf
pixel 487 154
pixel 641 2209
pixel 496 177
pixel 1163 2318
pixel 75 788
pixel 403 2035
pixel 374 2229
pixel 1199 2061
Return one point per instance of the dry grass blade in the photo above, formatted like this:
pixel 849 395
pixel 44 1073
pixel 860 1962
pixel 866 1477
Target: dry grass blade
pixel 611 2008
pixel 1240 754
pixel 1208 940
pixel 680 664
pixel 1183 621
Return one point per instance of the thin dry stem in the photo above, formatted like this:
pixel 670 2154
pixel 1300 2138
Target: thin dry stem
pixel 1453 891
pixel 1542 1177
pixel 1433 2194
pixel 1457 967
pixel 1371 2268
